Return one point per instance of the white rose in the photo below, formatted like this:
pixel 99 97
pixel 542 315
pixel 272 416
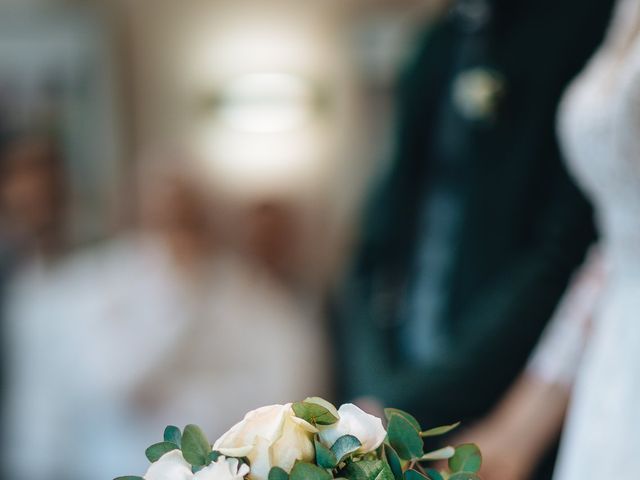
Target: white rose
pixel 270 437
pixel 171 466
pixel 353 421
pixel 223 469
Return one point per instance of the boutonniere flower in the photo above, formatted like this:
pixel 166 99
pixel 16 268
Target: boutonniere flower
pixel 477 93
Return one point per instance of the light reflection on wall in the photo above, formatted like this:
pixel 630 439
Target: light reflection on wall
pixel 271 125
pixel 266 103
pixel 264 128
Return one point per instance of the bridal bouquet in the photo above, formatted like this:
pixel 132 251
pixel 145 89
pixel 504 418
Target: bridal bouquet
pixel 310 440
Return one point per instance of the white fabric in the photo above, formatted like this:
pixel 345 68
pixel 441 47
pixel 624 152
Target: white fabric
pixel 113 345
pixel 600 130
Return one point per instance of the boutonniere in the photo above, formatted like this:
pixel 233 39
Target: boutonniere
pixel 477 93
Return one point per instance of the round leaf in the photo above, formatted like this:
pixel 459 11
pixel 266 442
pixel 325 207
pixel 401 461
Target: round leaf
pixel 172 434
pixel 434 474
pixel 466 459
pixel 394 461
pixel 404 438
pixel 323 403
pixel 413 475
pixel 314 413
pixel 345 445
pixel 277 473
pixel 367 470
pixel 155 451
pixel 325 458
pixel 195 446
pixel 308 471
pixel 388 412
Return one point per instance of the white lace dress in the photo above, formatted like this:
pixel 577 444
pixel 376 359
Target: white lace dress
pixel 600 130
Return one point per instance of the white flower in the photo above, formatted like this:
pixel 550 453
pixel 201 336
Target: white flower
pixel 270 437
pixel 223 469
pixel 171 466
pixel 353 421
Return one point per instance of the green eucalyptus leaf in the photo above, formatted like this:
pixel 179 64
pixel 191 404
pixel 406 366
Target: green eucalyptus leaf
pixel 314 413
pixel 388 412
pixel 367 470
pixel 345 445
pixel 464 476
pixel 467 459
pixel 394 461
pixel 277 473
pixel 440 454
pixel 325 457
pixel 172 434
pixel 404 438
pixel 434 432
pixel 434 474
pixel 157 450
pixel 308 471
pixel 129 477
pixel 214 455
pixel 323 403
pixel 413 475
pixel 195 446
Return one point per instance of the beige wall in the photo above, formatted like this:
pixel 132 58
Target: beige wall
pixel 177 53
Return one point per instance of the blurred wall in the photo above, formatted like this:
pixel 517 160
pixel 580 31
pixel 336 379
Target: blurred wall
pixel 153 76
pixel 58 72
pixel 181 56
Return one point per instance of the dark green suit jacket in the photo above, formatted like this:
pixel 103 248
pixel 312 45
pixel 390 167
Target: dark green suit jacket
pixel 525 226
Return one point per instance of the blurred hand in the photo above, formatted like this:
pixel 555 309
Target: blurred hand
pixel 520 429
pixel 502 458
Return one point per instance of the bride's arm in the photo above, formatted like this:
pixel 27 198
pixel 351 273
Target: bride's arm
pixel 520 430
pixel 528 419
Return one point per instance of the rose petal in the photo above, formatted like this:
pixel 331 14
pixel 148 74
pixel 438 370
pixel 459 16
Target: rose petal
pixel 235 451
pixel 305 425
pixel 171 466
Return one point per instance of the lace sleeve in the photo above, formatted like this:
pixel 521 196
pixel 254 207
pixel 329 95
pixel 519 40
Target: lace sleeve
pixel 557 357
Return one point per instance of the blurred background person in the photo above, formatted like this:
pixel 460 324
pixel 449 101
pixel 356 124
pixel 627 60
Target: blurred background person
pixel 140 330
pixel 33 195
pixel 471 238
pixel 242 322
pixel 272 225
pixel 33 229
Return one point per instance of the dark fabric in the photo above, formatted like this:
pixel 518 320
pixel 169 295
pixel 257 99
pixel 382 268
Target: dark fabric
pixel 524 226
pixel 8 261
